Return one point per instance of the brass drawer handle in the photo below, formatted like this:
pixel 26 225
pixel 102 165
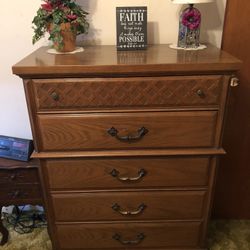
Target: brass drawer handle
pixel 141 173
pixel 55 96
pixel 139 238
pixel 129 138
pixel 118 209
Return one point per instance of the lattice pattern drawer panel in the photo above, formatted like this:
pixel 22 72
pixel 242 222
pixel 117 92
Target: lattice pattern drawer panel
pixel 125 93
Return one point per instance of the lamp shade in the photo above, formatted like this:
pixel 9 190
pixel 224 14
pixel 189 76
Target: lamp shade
pixel 191 1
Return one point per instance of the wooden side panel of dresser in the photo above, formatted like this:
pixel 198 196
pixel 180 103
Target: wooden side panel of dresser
pixel 115 202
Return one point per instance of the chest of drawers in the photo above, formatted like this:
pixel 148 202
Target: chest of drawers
pixel 128 143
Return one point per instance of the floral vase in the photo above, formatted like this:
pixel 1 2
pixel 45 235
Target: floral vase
pixel 189 28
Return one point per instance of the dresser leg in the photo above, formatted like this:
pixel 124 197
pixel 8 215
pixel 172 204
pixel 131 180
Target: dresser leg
pixel 3 231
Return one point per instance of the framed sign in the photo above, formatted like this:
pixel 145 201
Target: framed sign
pixel 131 28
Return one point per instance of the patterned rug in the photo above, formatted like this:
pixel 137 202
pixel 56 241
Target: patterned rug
pixel 223 235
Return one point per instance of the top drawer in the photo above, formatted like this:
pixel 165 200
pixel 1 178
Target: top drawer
pixel 105 93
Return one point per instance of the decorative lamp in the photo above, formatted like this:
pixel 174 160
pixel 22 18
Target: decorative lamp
pixel 189 25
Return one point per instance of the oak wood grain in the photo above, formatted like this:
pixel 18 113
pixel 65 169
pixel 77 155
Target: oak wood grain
pixel 78 174
pixel 117 93
pixel 152 205
pixel 165 130
pixel 107 61
pixel 134 153
pixel 157 235
pixel 73 130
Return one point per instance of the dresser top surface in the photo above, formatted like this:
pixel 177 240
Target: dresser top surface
pixel 106 60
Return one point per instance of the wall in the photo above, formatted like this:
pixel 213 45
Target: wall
pixel 16 34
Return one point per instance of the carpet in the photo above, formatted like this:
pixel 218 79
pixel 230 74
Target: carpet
pixel 223 235
pixel 229 235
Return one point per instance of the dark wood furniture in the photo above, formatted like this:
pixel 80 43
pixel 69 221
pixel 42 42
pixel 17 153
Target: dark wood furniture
pixel 233 187
pixel 19 185
pixel 128 143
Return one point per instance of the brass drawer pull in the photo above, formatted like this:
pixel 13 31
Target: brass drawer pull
pixel 200 93
pixel 55 96
pixel 115 173
pixel 118 209
pixel 129 138
pixel 139 238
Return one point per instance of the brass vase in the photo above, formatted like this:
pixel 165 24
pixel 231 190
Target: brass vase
pixel 69 38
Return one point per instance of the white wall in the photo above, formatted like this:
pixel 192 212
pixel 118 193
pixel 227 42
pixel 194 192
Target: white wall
pixel 16 35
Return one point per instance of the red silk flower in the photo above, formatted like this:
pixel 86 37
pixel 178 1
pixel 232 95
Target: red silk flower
pixel 72 17
pixel 191 18
pixel 47 6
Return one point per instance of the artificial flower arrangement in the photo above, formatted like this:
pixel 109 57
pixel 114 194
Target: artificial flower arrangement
pixel 189 28
pixel 54 16
pixel 191 18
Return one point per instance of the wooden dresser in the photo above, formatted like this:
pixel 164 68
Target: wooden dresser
pixel 128 143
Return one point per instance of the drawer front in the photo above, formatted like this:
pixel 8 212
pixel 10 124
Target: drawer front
pixel 126 172
pixel 127 130
pixel 16 176
pixel 20 192
pixel 63 94
pixel 129 235
pixel 144 205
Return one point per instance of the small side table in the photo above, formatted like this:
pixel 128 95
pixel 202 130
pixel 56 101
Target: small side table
pixel 19 185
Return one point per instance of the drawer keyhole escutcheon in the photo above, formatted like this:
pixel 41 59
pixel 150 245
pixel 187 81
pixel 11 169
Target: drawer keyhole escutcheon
pixel 55 96
pixel 139 210
pixel 128 138
pixel 141 173
pixel 139 238
pixel 200 93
